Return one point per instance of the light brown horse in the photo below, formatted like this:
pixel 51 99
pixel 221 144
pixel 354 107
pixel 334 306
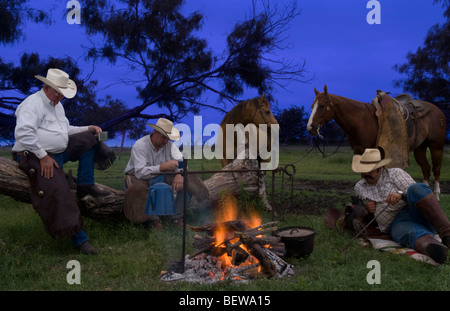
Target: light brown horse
pixel 359 121
pixel 253 111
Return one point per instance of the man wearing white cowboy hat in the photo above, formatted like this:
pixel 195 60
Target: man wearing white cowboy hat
pixel 407 210
pixel 42 137
pixel 152 154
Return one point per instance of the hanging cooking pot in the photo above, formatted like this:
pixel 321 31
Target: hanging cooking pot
pixel 298 241
pixel 160 200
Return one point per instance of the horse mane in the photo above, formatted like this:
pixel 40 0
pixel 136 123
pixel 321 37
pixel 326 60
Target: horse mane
pixel 238 112
pixel 352 102
pixel 345 99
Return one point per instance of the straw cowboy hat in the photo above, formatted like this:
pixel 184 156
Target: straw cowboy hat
pixel 166 128
pixel 60 82
pixel 370 160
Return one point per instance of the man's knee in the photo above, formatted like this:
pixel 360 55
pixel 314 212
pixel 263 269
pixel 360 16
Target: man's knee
pixel 417 192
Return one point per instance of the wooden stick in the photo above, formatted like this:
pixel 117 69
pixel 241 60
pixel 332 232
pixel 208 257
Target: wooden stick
pixel 261 226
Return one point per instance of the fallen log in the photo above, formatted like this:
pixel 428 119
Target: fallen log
pixel 14 183
pixel 253 180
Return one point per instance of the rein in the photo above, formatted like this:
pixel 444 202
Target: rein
pixel 322 150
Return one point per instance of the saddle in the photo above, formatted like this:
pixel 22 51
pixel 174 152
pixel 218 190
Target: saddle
pixel 412 110
pixel 398 125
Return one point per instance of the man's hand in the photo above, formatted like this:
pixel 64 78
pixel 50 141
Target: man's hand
pixel 95 129
pixel 371 206
pixel 170 165
pixel 393 198
pixel 177 183
pixel 47 164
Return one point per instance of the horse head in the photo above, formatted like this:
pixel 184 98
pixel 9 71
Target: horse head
pixel 265 115
pixel 322 112
pixel 253 111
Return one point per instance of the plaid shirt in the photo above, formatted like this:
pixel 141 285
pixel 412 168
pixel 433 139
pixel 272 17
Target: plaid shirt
pixel 391 181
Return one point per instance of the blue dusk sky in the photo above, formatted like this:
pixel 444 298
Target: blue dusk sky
pixel 341 49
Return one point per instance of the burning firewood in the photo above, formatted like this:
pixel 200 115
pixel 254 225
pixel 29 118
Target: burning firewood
pixel 240 244
pixel 234 247
pixel 233 225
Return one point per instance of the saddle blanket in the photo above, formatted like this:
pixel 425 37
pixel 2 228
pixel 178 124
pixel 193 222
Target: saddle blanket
pixel 395 248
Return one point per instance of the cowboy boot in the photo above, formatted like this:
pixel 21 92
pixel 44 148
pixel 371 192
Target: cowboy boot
pixel 432 210
pixel 87 249
pixel 429 246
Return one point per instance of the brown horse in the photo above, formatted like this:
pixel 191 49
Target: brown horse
pixel 360 123
pixel 253 111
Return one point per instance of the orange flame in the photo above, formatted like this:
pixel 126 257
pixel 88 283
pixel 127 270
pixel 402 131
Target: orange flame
pixel 229 212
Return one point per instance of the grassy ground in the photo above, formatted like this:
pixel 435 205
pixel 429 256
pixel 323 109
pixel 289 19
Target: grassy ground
pixel 132 257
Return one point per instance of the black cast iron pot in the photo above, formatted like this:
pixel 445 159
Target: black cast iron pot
pixel 298 241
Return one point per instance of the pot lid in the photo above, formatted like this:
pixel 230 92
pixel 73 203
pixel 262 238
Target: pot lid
pixel 294 232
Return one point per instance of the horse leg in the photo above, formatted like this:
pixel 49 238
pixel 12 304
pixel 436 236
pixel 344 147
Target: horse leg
pixel 437 153
pixel 420 154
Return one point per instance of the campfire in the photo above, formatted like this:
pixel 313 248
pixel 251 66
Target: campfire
pixel 233 248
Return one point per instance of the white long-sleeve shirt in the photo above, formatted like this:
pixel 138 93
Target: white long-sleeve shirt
pixel 145 160
pixel 42 127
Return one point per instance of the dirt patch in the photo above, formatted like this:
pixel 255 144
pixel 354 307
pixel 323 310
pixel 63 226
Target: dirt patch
pixel 316 196
pixel 345 186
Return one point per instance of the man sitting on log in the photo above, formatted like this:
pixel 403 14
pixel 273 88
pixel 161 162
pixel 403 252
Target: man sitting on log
pixel 41 148
pixel 151 154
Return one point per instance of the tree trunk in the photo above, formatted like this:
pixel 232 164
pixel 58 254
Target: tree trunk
pixel 14 183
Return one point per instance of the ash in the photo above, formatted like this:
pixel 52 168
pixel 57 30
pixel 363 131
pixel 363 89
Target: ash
pixel 207 269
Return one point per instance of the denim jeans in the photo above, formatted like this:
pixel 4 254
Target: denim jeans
pixel 410 224
pixel 179 201
pixel 85 174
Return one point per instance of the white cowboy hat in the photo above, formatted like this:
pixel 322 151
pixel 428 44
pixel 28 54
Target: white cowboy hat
pixel 166 128
pixel 370 160
pixel 60 82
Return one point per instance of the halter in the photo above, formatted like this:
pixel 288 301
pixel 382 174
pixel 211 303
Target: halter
pixel 330 105
pixel 258 108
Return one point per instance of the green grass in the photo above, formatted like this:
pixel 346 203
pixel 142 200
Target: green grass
pixel 131 258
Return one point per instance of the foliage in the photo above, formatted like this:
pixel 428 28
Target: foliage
pixel 427 70
pixel 13 14
pixel 292 123
pixel 17 82
pixel 173 66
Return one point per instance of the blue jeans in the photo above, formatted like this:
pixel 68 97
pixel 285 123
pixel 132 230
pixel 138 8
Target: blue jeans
pixel 85 174
pixel 410 224
pixel 179 201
